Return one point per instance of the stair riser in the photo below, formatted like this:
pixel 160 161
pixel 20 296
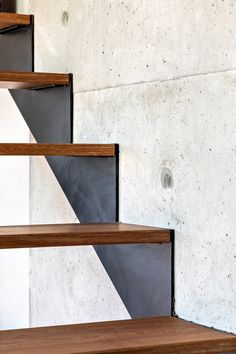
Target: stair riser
pixel 49 111
pixel 18 52
pixel 142 275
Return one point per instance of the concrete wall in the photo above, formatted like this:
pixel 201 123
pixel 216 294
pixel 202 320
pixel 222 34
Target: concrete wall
pixel 158 77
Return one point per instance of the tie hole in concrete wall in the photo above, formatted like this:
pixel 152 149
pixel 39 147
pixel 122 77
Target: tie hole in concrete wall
pixel 65 18
pixel 167 180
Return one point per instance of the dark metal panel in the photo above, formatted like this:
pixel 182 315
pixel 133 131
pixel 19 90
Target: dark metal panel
pixel 48 113
pixel 142 277
pixel 7 5
pixel 90 185
pixel 17 50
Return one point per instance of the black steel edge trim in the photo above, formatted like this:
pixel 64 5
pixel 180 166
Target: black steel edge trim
pixel 172 239
pixel 117 149
pixel 71 107
pixel 117 185
pixel 32 40
pixel 31 20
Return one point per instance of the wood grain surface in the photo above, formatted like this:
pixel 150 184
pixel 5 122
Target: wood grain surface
pixel 79 234
pixel 102 150
pixel 27 80
pixel 163 335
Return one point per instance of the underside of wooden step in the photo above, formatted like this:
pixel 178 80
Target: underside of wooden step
pixel 163 335
pixel 82 150
pixel 80 234
pixel 12 20
pixel 32 80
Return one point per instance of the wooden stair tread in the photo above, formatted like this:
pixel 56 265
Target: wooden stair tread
pixel 163 335
pixel 8 20
pixel 79 234
pixel 28 80
pixel 102 150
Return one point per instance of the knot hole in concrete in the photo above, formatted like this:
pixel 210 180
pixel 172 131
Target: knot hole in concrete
pixel 65 18
pixel 167 180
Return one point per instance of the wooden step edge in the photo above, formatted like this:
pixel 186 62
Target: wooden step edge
pixel 79 150
pixel 61 235
pixel 163 335
pixel 14 80
pixel 11 20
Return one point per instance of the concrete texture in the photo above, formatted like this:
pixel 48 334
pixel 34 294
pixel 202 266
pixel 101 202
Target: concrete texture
pixel 112 43
pixel 177 169
pixel 14 210
pixel 67 285
pixel 177 137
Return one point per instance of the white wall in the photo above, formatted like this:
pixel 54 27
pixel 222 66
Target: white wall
pixel 14 210
pixel 158 77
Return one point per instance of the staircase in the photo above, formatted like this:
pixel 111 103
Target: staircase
pixel 150 335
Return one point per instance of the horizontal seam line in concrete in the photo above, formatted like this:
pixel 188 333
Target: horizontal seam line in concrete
pixel 176 78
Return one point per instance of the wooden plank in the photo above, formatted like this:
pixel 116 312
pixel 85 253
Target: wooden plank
pixel 163 335
pixel 99 150
pixel 8 20
pixel 27 80
pixel 79 234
